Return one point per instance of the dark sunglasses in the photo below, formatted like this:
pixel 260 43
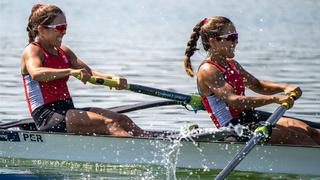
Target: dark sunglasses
pixel 57 28
pixel 229 37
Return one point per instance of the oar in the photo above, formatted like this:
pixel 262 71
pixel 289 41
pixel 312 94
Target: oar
pixel 258 135
pixel 192 99
pixel 29 122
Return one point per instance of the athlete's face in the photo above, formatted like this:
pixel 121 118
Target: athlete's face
pixel 54 32
pixel 226 43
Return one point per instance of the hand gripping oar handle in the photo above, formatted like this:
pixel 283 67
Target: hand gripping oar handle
pixel 193 100
pixel 258 135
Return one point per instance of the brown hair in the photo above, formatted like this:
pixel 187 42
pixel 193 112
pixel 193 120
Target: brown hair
pixel 41 15
pixel 207 27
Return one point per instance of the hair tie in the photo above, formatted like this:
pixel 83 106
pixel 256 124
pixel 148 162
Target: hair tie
pixel 39 6
pixel 204 20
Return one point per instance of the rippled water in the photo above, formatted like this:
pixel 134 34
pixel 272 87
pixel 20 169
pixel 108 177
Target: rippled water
pixel 145 40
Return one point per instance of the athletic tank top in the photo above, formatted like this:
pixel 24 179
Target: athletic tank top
pixel 220 112
pixel 39 93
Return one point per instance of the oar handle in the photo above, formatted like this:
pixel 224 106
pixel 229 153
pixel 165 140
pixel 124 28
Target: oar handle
pixel 105 82
pixel 102 81
pixel 293 95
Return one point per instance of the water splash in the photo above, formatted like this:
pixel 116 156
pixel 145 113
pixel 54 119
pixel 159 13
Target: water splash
pixel 171 152
pixel 170 159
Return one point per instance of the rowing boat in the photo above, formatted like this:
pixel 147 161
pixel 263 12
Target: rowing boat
pixel 201 149
pixel 212 154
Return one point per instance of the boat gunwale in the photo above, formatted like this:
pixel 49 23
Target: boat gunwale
pixel 151 138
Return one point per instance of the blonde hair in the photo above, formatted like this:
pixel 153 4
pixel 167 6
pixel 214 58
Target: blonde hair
pixel 41 15
pixel 207 27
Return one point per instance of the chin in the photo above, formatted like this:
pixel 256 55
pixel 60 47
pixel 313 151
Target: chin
pixel 58 45
pixel 231 55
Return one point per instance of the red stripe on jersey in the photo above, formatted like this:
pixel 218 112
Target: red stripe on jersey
pixel 26 94
pixel 209 110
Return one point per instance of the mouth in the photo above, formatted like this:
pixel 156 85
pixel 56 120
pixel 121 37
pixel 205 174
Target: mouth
pixel 59 39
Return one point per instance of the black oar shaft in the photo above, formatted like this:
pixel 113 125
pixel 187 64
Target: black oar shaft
pixel 193 100
pixel 159 93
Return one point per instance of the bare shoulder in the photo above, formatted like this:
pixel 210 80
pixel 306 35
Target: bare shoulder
pixel 207 70
pixel 32 51
pixel 32 55
pixel 210 76
pixel 210 79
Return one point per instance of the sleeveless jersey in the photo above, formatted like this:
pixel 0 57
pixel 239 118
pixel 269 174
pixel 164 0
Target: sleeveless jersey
pixel 220 112
pixel 39 93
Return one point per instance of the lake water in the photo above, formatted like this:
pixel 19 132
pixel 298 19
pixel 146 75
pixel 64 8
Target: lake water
pixel 145 40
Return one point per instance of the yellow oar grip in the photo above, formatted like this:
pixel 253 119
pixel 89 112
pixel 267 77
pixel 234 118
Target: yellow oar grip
pixel 293 94
pixel 285 104
pixel 101 81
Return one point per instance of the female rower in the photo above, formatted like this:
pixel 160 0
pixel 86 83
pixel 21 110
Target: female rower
pixel 46 66
pixel 221 82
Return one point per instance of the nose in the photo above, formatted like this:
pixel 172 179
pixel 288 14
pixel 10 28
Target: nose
pixel 235 43
pixel 63 32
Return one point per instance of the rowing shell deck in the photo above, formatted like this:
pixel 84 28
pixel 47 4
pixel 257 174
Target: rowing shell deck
pixel 200 153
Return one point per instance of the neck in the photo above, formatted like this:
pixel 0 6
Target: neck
pixel 48 47
pixel 218 58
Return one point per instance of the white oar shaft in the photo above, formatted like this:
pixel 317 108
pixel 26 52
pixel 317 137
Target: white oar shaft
pixel 278 113
pixel 234 162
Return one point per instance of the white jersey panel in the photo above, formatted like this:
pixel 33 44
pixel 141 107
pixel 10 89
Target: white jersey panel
pixel 33 92
pixel 220 110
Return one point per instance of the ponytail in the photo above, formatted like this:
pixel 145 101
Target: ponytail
pixel 192 47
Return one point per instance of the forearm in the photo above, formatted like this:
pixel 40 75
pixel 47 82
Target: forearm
pixel 249 102
pixel 269 88
pixel 102 75
pixel 45 74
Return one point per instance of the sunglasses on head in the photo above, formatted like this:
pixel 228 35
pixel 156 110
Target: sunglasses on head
pixel 57 27
pixel 229 37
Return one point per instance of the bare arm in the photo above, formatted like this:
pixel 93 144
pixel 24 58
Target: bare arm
pixel 77 63
pixel 32 57
pixel 266 87
pixel 213 79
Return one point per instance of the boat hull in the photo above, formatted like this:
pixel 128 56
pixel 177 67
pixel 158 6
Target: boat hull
pixel 133 150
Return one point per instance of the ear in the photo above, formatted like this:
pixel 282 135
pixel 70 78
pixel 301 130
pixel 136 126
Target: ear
pixel 41 29
pixel 211 39
pixel 213 42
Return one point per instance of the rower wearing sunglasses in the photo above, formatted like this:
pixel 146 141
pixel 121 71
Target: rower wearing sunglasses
pixel 221 82
pixel 46 66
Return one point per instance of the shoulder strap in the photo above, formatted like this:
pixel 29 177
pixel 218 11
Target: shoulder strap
pixel 63 55
pixel 231 64
pixel 42 50
pixel 215 64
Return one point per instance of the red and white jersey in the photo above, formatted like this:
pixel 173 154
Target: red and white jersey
pixel 220 112
pixel 40 93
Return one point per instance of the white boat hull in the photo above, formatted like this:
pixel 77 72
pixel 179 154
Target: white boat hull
pixel 120 150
